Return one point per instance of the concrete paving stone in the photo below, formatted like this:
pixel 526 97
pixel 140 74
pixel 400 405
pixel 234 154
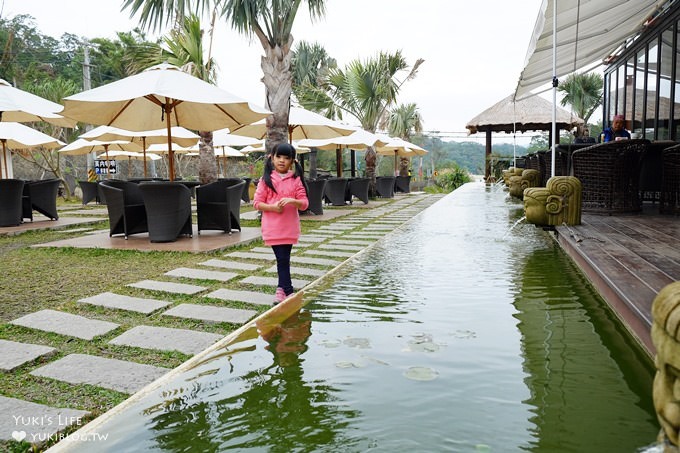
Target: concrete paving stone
pixel 349 248
pixel 138 304
pixel 251 256
pixel 349 242
pixel 294 270
pixel 273 281
pixel 336 227
pixel 65 324
pixel 114 374
pixel 249 215
pixel 35 423
pixel 168 287
pixel 250 297
pixel 234 265
pixel 378 227
pixel 310 260
pixel 301 244
pixel 329 253
pixel 312 238
pixel 166 339
pixel 14 354
pixel 366 236
pixel 265 250
pixel 201 274
pixel 211 313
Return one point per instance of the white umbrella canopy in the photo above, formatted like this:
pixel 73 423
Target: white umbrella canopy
pixel 82 146
pixel 17 136
pixel 399 147
pixel 260 148
pixel 180 135
pixel 161 148
pixel 359 139
pixel 128 155
pixel 222 137
pixel 302 124
pixel 20 106
pixel 162 96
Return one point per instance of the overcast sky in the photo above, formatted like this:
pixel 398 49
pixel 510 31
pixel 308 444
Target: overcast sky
pixel 474 51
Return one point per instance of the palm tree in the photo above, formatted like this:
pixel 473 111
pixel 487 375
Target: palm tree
pixel 183 47
pixel 365 90
pixel 271 21
pixel 404 121
pixel 584 93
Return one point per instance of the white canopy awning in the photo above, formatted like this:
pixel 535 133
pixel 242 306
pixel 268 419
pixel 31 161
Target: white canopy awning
pixel 588 31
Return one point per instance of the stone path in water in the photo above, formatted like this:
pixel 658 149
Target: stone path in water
pixel 318 252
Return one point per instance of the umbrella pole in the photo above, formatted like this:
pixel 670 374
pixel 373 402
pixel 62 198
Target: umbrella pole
pixel 396 171
pixel 144 152
pixel 108 168
pixel 338 162
pixel 171 155
pixel 4 151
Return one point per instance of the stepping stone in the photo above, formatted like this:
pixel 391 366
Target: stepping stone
pixel 65 324
pixel 329 253
pixel 251 256
pixel 201 274
pixel 310 260
pixel 13 354
pixel 166 339
pixel 211 313
pixel 250 297
pixel 312 238
pixel 351 248
pixel 235 265
pixel 349 242
pixel 336 227
pixel 34 423
pixel 138 304
pixel 379 227
pixel 168 287
pixel 114 374
pixel 250 215
pixel 273 281
pixel 301 271
pixel 265 250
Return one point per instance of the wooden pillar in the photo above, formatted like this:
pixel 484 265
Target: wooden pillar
pixel 487 166
pixel 338 162
pixel 353 163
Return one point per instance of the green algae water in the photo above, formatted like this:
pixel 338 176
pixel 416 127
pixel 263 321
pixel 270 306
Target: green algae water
pixel 451 334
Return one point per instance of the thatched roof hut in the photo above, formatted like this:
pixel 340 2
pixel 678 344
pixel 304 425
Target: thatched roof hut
pixel 529 114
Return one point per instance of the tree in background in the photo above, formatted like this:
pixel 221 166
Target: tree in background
pixel 404 121
pixel 583 92
pixel 271 21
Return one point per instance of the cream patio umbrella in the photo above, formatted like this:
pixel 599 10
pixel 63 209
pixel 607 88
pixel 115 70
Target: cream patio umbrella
pixel 17 136
pixel 129 156
pixel 398 147
pixel 162 96
pixel 222 137
pixel 302 124
pixel 180 136
pixel 20 106
pixel 81 147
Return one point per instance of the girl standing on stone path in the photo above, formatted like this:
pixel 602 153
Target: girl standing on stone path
pixel 279 195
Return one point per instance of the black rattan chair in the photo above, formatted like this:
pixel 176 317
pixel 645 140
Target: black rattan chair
pixel 125 205
pixel 670 181
pixel 11 195
pixel 334 192
pixel 168 210
pixel 402 184
pixel 358 187
pixel 610 176
pixel 90 191
pixel 41 196
pixel 218 205
pixel 315 190
pixel 384 185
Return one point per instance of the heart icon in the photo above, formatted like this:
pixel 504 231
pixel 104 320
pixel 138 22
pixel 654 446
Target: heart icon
pixel 19 435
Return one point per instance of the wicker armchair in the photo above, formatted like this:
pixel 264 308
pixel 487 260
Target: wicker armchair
pixel 402 184
pixel 125 205
pixel 315 191
pixel 384 185
pixel 218 205
pixel 41 196
pixel 610 176
pixel 90 191
pixel 358 187
pixel 11 193
pixel 334 193
pixel 168 210
pixel 670 181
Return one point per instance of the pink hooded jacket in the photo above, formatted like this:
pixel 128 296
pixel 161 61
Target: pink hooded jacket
pixel 284 227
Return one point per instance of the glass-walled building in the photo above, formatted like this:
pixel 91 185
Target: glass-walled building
pixel 642 81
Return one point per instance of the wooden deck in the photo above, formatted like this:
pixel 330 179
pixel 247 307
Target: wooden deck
pixel 629 259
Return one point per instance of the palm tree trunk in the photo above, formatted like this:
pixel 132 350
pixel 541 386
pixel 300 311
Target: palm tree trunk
pixel 278 82
pixel 370 157
pixel 207 164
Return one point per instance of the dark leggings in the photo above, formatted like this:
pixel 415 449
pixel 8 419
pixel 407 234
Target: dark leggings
pixel 282 253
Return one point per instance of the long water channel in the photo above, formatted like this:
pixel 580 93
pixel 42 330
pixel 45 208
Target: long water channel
pixel 451 334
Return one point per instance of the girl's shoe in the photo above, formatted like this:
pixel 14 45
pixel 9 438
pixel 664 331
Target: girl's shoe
pixel 280 295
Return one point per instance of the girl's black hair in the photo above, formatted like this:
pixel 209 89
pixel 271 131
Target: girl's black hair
pixel 282 149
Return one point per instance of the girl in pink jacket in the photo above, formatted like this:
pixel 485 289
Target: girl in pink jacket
pixel 279 195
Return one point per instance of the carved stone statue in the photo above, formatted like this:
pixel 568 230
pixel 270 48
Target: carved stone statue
pixel 529 178
pixel 666 339
pixel 557 203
